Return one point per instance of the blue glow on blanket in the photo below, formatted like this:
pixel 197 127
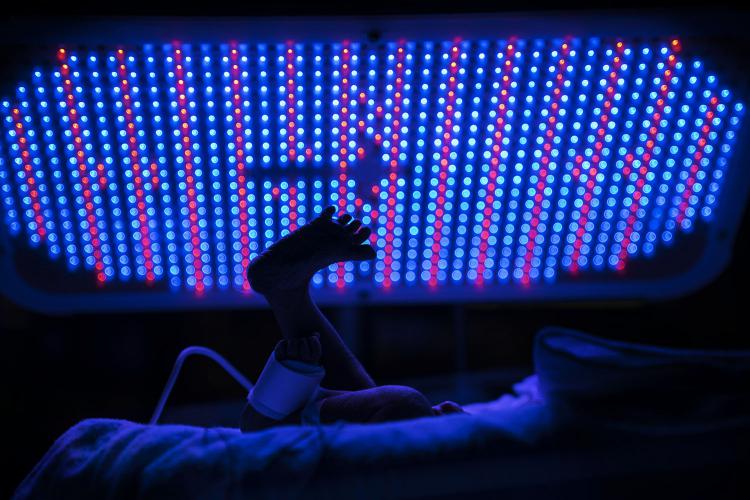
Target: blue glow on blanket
pixel 488 163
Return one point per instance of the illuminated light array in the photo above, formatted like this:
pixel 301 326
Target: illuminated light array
pixel 22 139
pixel 420 159
pixel 316 148
pixel 488 163
pixel 290 74
pixel 702 150
pixel 38 177
pixel 453 237
pixel 496 166
pixel 144 175
pixel 293 203
pixel 656 221
pixel 592 163
pixel 732 120
pixel 245 156
pixel 370 137
pixel 591 108
pixel 264 94
pixel 475 124
pixel 237 133
pixel 213 138
pixel 342 155
pixel 268 193
pixel 393 152
pixel 9 210
pixel 108 181
pixel 641 174
pixel 191 187
pixel 611 190
pixel 293 103
pixel 547 153
pixel 91 199
pixel 370 149
pixel 440 195
pixel 37 221
pixel 159 146
pixel 511 263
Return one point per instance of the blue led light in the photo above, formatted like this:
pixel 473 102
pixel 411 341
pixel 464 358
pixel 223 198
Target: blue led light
pixel 489 162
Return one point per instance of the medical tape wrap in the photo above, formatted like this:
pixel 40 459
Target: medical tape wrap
pixel 281 390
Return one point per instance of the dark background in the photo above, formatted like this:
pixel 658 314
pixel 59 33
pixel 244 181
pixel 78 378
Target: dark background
pixel 57 370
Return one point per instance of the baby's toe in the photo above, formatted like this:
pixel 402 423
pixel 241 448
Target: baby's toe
pixel 362 252
pixel 356 224
pixel 325 215
pixel 361 236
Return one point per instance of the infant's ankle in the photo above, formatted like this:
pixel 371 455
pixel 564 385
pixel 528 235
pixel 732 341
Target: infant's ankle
pixel 303 349
pixel 258 283
pixel 287 298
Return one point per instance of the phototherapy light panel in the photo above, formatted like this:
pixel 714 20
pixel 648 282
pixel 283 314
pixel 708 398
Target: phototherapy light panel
pixel 149 174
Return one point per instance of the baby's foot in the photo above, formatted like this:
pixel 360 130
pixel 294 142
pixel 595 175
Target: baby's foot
pixel 291 262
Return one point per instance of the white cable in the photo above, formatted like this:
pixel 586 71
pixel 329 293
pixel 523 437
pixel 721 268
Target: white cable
pixel 201 351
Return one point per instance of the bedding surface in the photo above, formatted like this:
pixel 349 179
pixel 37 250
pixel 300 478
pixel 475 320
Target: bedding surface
pixel 101 458
pixel 625 387
pixel 589 394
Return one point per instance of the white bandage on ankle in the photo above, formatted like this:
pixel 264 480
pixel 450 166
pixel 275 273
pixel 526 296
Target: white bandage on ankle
pixel 284 387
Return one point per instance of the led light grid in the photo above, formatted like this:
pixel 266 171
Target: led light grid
pixel 486 168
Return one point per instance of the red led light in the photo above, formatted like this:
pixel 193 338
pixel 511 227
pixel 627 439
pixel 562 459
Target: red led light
pixel 547 148
pixel 502 115
pixel 135 166
pixel 239 143
pixel 91 218
pixel 443 175
pixel 595 160
pixel 291 103
pixel 179 75
pixel 393 164
pixel 694 166
pixel 645 158
pixel 293 203
pixel 28 171
pixel 345 73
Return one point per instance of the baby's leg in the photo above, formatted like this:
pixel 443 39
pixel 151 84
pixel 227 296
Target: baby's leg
pixel 297 314
pixel 377 404
pixel 282 274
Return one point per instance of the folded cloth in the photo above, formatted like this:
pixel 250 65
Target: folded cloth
pixel 580 378
pixel 590 380
pixel 525 393
pixel 116 459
